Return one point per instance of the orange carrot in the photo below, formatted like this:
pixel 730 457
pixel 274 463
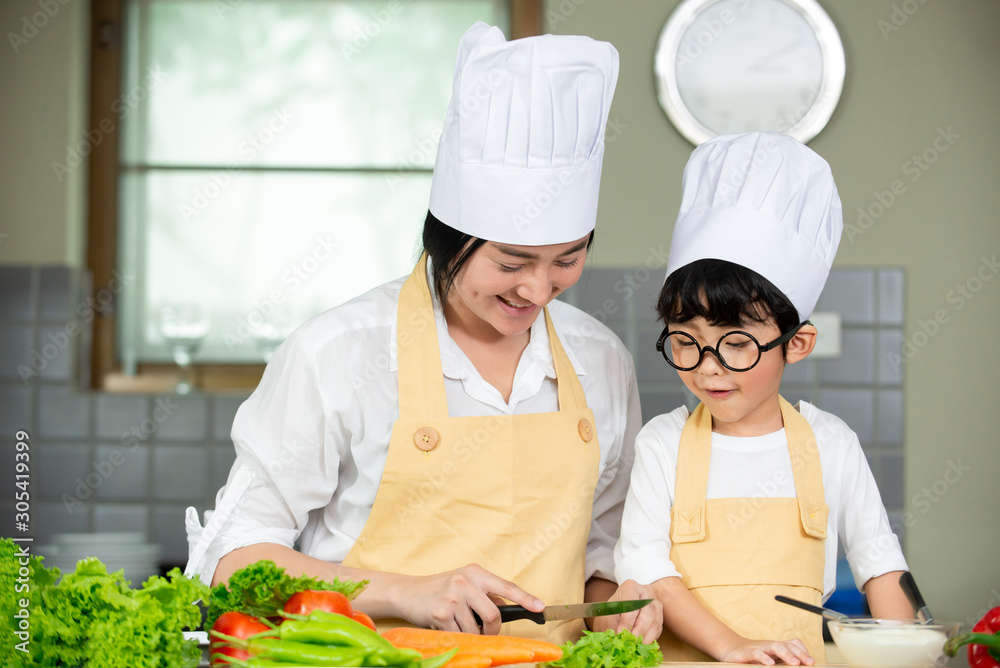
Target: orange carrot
pixel 501 650
pixel 461 660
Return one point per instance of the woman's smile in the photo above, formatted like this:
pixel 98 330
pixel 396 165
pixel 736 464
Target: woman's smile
pixel 516 308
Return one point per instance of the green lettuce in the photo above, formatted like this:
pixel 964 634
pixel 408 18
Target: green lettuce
pixel 607 649
pixel 262 588
pixel 94 618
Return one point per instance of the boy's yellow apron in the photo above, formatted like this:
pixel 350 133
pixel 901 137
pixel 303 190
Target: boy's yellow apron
pixel 735 555
pixel 513 493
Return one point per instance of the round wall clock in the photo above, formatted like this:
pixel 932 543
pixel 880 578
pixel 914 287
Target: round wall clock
pixel 749 65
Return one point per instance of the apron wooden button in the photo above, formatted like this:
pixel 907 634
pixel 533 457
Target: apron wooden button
pixel 586 431
pixel 426 439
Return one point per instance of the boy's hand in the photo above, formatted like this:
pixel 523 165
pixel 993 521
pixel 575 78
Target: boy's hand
pixel 646 622
pixel 765 652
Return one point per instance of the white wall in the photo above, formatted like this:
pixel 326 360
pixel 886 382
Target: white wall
pixel 941 69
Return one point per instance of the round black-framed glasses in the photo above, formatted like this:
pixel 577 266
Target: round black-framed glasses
pixel 736 350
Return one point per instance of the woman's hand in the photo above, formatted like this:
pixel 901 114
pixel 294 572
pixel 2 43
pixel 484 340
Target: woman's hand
pixel 446 601
pixel 646 622
pixel 768 652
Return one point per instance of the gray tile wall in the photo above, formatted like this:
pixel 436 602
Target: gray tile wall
pixel 109 462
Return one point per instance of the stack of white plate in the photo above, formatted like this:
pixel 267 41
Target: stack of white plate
pixel 117 551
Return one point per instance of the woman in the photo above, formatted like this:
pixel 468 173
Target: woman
pixel 447 437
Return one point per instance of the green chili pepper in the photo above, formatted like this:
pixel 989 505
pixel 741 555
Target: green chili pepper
pixel 437 661
pixel 327 634
pixel 297 652
pixel 306 653
pixel 252 662
pixel 365 635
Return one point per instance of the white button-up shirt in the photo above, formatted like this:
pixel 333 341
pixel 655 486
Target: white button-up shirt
pixel 312 440
pixel 753 468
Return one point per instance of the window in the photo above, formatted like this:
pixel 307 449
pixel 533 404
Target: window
pixel 274 161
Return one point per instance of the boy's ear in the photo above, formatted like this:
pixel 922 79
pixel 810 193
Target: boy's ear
pixel 800 345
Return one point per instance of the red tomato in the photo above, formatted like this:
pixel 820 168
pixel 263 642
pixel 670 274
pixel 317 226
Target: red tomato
pixel 364 619
pixel 238 625
pixel 305 602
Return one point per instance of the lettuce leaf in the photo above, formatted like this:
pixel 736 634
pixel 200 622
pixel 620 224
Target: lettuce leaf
pixel 608 649
pixel 262 588
pixel 90 617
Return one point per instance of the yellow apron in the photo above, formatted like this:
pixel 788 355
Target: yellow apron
pixel 735 555
pixel 513 493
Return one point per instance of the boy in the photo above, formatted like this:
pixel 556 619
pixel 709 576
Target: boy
pixel 757 490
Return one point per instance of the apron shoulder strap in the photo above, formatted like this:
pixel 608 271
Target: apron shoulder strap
pixel 571 396
pixel 418 358
pixel 803 449
pixel 687 522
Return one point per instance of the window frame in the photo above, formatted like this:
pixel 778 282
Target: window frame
pixel 105 92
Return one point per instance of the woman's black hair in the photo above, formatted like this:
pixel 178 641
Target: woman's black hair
pixel 725 295
pixel 444 244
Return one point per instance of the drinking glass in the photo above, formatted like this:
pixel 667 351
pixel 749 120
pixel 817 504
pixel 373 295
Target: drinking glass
pixel 184 327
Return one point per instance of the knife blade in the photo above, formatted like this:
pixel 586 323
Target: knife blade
pixel 510 613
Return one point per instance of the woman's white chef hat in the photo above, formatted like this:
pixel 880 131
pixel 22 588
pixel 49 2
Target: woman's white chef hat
pixel 519 160
pixel 765 201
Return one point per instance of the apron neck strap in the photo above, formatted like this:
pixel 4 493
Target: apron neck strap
pixel 806 469
pixel 694 456
pixel 418 357
pixel 571 395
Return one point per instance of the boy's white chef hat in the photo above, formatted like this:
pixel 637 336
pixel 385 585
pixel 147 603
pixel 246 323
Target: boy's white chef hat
pixel 765 201
pixel 519 160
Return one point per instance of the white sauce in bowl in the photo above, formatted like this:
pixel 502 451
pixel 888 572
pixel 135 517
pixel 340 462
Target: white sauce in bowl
pixel 888 647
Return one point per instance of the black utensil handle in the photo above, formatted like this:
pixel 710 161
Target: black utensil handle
pixel 909 586
pixel 801 605
pixel 510 613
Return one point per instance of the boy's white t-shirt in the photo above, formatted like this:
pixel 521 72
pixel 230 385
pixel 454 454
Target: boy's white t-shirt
pixel 756 468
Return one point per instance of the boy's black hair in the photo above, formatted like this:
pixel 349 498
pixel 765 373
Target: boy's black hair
pixel 724 294
pixel 444 245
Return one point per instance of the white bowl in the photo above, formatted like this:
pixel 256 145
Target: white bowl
pixel 883 643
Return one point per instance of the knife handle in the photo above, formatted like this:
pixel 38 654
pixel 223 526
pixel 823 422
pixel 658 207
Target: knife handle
pixel 510 613
pixel 909 586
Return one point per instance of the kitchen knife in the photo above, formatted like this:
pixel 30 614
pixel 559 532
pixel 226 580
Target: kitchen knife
pixel 909 586
pixel 510 613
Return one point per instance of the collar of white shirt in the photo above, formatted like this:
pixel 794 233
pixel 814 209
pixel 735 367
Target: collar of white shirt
pixel 535 365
